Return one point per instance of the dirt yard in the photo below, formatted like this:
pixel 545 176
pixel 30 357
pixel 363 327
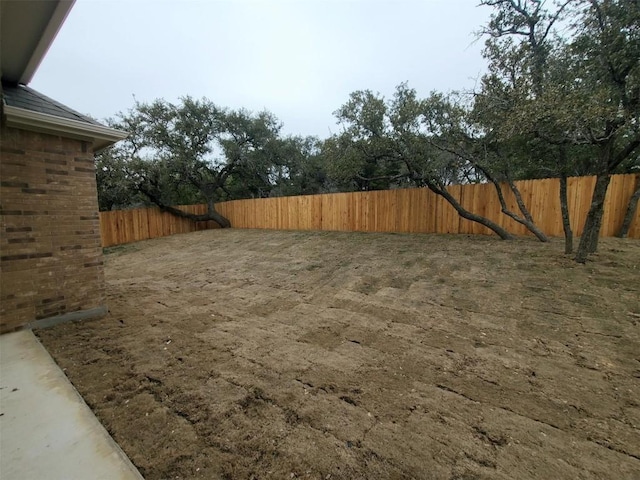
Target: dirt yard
pixel 241 354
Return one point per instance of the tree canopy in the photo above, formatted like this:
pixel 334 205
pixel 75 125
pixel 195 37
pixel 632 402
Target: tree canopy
pixel 195 151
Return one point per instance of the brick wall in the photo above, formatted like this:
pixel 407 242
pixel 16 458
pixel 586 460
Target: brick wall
pixel 50 254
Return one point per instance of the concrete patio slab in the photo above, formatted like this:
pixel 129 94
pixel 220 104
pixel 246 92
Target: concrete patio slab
pixel 46 428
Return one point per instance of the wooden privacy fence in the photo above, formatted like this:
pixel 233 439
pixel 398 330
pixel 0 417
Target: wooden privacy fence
pixel 126 226
pixel 415 210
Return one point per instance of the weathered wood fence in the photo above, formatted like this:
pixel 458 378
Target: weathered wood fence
pixel 414 210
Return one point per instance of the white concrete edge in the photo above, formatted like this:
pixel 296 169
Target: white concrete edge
pixel 123 456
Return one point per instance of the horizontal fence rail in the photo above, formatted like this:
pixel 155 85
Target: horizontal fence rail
pixel 413 210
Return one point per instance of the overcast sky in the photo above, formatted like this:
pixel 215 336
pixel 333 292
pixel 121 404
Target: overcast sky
pixel 299 59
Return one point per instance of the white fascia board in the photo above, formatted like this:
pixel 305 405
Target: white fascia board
pixel 101 136
pixel 48 35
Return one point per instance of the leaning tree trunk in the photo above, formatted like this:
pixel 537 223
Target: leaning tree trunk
pixel 631 211
pixel 212 214
pixel 216 216
pixel 566 219
pixel 589 239
pixel 526 219
pixel 464 213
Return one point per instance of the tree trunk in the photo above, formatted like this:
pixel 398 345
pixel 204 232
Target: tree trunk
pixel 523 208
pixel 527 219
pixel 497 229
pixel 589 239
pixel 631 211
pixel 212 213
pixel 566 219
pixel 215 215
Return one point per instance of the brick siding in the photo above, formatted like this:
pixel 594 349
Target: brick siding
pixel 50 253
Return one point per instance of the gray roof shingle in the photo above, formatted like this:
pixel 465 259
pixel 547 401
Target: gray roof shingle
pixel 21 96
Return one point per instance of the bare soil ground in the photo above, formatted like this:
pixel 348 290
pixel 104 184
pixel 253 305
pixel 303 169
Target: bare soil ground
pixel 261 354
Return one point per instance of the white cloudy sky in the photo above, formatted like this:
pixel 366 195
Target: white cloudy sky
pixel 299 59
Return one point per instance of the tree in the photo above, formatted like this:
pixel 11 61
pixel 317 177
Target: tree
pixel 577 89
pixel 522 40
pixel 363 157
pixel 606 63
pixel 195 151
pixel 632 207
pixel 388 143
pixel 115 189
pixel 466 132
pixel 301 169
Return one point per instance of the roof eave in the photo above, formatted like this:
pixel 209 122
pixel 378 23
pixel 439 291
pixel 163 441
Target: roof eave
pixel 48 35
pixel 100 135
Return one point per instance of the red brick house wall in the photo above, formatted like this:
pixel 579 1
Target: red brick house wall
pixel 51 264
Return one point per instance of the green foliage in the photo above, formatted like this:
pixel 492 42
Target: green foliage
pixel 575 86
pixel 301 169
pixel 390 143
pixel 568 85
pixel 115 191
pixel 195 151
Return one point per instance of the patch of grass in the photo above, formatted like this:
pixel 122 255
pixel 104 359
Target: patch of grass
pixel 120 249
